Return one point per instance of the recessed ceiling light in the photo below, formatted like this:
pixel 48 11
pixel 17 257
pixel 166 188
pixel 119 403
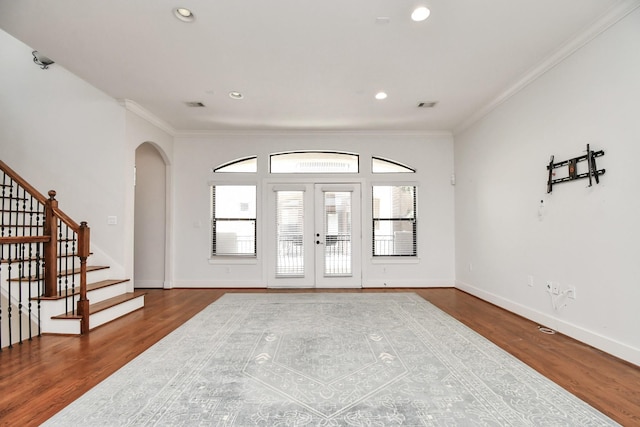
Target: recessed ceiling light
pixel 420 14
pixel 235 95
pixel 184 14
pixel 381 95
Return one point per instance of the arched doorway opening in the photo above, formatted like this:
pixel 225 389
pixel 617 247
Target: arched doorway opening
pixel 150 218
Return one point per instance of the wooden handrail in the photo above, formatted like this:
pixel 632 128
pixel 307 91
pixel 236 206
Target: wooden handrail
pixel 10 240
pixel 60 214
pixel 24 184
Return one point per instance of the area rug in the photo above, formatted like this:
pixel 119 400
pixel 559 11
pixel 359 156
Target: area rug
pixel 326 359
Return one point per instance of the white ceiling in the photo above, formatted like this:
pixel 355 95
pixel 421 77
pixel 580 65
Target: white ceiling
pixel 302 64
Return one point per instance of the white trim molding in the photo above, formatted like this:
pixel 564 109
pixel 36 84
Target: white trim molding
pixel 608 345
pixel 147 115
pixel 606 21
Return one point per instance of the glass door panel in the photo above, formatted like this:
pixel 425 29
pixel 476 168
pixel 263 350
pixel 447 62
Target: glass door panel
pixel 312 235
pixel 289 233
pixel 337 233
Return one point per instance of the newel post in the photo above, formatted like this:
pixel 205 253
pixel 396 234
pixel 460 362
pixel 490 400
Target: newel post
pixel 51 247
pixel 83 253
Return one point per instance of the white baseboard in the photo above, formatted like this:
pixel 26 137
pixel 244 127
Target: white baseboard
pixel 149 284
pixel 214 284
pixel 608 345
pixel 260 284
pixel 409 284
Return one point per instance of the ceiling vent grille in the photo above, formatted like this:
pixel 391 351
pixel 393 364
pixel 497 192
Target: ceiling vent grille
pixel 194 104
pixel 427 104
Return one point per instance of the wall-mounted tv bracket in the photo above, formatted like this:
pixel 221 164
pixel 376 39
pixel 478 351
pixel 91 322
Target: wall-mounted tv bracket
pixel 592 170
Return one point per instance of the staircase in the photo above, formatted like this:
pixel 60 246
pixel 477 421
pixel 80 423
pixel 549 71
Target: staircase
pixel 46 284
pixel 108 298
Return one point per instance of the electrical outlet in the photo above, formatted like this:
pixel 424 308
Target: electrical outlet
pixel 571 292
pixel 530 280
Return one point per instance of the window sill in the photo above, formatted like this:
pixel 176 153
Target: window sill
pixel 249 260
pixel 395 260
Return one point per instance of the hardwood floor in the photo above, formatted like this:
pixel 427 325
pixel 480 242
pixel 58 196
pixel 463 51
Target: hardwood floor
pixel 40 377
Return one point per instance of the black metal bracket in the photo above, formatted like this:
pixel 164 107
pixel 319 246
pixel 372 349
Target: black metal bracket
pixel 593 173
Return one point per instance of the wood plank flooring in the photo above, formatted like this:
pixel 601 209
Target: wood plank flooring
pixel 40 377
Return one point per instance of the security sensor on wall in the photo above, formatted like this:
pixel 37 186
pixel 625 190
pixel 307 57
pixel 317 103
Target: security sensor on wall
pixel 41 60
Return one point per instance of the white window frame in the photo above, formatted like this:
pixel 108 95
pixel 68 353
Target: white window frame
pixel 413 221
pixel 226 257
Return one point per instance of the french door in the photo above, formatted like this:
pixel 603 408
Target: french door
pixel 314 235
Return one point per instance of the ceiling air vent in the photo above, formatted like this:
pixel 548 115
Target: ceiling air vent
pixel 194 104
pixel 427 104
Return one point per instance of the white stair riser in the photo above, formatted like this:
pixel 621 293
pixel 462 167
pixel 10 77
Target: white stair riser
pixel 115 312
pixel 95 295
pixel 36 287
pixel 51 308
pixel 92 276
pixel 107 292
pixel 61 326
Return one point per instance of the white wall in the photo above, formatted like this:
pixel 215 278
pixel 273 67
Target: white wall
pixel 586 237
pixel 431 155
pixel 60 133
pixel 142 127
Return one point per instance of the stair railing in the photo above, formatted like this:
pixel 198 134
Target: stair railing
pixel 39 247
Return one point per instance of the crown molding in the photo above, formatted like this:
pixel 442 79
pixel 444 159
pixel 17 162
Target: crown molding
pixel 300 132
pixel 145 114
pixel 602 24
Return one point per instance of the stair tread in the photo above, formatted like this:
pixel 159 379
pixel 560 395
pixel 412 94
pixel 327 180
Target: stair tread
pixel 33 258
pixel 64 273
pixel 90 287
pixel 111 302
pixel 103 305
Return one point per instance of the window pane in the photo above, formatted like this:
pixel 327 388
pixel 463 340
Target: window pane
pixel 380 165
pixel 314 162
pixel 394 221
pixel 393 201
pixel 233 220
pixel 337 231
pixel 394 237
pixel 235 237
pixel 240 165
pixel 290 225
pixel 235 201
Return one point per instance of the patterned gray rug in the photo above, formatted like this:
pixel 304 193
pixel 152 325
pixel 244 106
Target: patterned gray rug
pixel 326 359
